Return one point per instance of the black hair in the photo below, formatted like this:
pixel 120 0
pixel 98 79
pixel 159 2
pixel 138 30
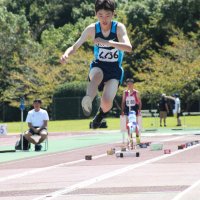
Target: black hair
pixel 175 95
pixel 105 4
pixel 129 80
pixel 37 101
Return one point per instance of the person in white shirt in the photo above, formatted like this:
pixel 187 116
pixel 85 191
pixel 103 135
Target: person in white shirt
pixel 177 107
pixel 37 119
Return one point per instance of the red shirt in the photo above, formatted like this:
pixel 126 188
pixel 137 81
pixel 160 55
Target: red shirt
pixel 131 102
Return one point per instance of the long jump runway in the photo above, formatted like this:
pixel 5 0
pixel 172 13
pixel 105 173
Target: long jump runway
pixel 62 172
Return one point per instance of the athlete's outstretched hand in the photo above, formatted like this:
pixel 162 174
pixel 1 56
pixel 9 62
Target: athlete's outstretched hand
pixel 64 58
pixel 67 53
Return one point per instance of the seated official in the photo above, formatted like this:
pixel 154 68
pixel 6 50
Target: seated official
pixel 37 119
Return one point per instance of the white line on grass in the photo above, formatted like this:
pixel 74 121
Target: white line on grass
pixel 108 175
pixel 180 195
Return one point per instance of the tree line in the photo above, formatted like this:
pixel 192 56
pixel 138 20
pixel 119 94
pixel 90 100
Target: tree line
pixel 165 35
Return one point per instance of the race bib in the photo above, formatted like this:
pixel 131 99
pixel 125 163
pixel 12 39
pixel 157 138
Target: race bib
pixel 3 129
pixel 108 55
pixel 130 101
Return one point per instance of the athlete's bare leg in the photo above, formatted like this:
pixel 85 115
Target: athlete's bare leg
pixel 109 92
pixel 178 121
pixel 96 76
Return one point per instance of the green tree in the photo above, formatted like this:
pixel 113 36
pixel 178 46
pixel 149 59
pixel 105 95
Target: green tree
pixel 14 40
pixel 173 69
pixel 153 23
pixel 85 9
pixel 183 14
pixel 56 41
pixel 42 14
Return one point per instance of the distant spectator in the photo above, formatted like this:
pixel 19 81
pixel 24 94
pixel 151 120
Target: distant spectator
pixel 177 107
pixel 163 109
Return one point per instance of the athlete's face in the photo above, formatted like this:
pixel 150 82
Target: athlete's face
pixel 129 85
pixel 105 17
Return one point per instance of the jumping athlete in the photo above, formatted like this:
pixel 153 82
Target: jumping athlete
pixel 131 102
pixel 106 72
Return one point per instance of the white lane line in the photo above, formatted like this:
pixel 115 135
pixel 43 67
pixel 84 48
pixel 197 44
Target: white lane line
pixel 19 175
pixel 184 192
pixel 47 168
pixel 57 153
pixel 183 132
pixel 108 175
pixel 171 139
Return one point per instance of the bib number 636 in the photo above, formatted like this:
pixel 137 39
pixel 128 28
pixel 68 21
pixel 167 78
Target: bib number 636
pixel 108 55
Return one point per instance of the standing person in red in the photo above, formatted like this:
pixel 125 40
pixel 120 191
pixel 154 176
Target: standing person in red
pixel 131 102
pixel 106 73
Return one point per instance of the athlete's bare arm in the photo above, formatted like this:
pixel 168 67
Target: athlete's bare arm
pixel 123 103
pixel 89 32
pixel 139 99
pixel 124 42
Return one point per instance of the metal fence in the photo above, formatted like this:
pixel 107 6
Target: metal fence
pixel 70 108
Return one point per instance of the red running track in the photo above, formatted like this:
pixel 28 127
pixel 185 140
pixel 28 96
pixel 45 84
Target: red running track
pixel 67 175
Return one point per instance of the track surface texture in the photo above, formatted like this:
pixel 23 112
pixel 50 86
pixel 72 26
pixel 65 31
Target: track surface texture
pixel 63 173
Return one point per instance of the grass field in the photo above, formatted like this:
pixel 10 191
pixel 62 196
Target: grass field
pixel 113 124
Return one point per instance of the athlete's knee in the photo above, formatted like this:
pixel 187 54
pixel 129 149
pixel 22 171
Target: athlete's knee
pixel 96 74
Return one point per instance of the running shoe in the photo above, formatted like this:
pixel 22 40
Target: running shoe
pixel 86 105
pixel 98 119
pixel 96 123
